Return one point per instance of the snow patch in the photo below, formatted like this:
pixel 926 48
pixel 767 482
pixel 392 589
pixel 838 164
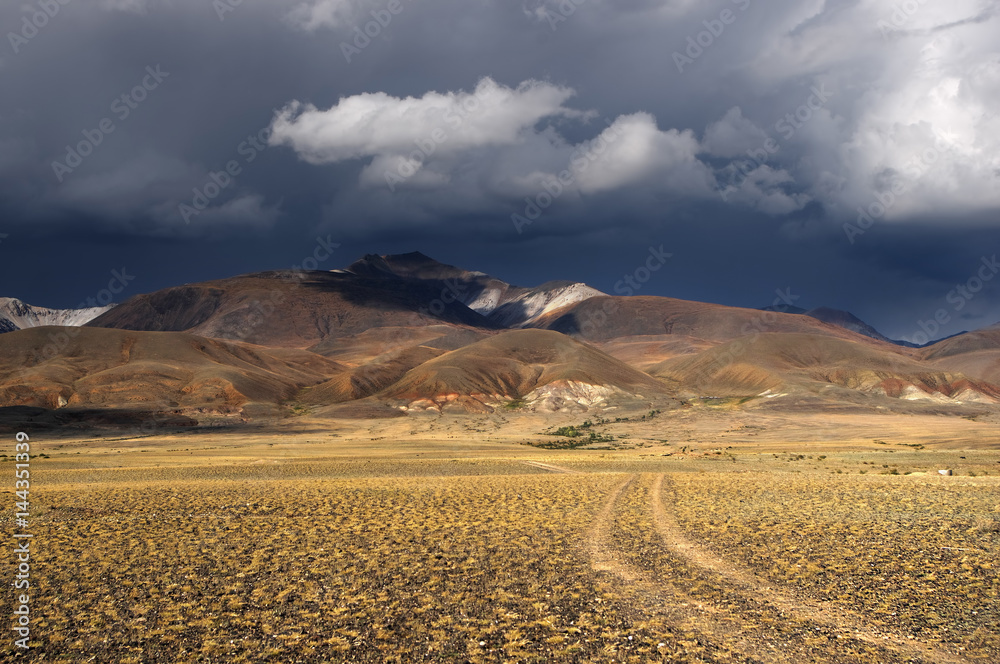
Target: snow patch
pixel 528 307
pixel 23 315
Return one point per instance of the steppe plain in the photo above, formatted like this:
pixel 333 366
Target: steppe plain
pixel 709 533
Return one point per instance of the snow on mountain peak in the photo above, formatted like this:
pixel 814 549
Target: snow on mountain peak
pixel 18 315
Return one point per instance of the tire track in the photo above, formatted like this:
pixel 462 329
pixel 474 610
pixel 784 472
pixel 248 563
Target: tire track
pixel 600 553
pixel 551 467
pixel 749 584
pixel 665 598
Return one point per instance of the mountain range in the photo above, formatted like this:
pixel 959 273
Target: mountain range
pixel 18 315
pixel 404 335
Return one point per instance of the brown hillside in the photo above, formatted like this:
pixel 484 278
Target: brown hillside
pixel 987 339
pixel 646 351
pixel 786 362
pixel 610 317
pixel 281 309
pixel 97 367
pixel 975 354
pixel 513 365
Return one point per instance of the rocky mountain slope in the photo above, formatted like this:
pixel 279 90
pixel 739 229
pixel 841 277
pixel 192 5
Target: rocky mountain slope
pixel 398 335
pixel 18 315
pixel 152 371
pixel 848 321
pixel 545 369
pixel 506 305
pixel 290 309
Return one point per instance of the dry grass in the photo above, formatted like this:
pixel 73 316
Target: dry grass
pixel 913 554
pixel 388 569
pixel 417 546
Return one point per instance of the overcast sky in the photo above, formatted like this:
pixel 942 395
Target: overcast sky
pixel 847 151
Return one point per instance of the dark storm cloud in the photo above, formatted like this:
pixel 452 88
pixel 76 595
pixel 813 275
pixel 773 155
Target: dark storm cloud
pixel 846 151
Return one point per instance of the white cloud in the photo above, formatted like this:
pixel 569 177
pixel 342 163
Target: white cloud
pixel 930 89
pixel 420 175
pixel 501 139
pixel 934 130
pixel 378 124
pixel 915 103
pixel 633 150
pixel 311 16
pixel 148 190
pixel 124 189
pixel 244 211
pixel 764 189
pixel 732 135
pixel 130 6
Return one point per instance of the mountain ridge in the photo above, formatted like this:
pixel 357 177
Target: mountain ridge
pixel 402 335
pixel 16 314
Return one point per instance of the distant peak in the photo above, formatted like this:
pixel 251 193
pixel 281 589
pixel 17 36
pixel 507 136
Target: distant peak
pixel 846 320
pixel 558 283
pixel 16 314
pixel 412 256
pixel 830 311
pixel 784 309
pixel 371 265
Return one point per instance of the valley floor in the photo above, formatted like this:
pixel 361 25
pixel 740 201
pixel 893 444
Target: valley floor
pixel 705 536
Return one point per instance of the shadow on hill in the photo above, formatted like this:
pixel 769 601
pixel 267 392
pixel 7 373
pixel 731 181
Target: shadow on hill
pixel 31 419
pixel 511 311
pixel 432 298
pixel 569 324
